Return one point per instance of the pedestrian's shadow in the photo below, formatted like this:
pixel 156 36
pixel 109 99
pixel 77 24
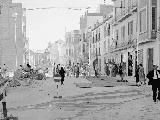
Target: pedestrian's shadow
pixel 108 86
pixel 133 85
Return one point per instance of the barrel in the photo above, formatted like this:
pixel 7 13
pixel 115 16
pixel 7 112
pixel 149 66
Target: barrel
pixel 57 77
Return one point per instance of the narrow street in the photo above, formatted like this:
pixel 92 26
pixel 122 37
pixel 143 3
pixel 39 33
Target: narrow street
pixel 116 41
pixel 37 102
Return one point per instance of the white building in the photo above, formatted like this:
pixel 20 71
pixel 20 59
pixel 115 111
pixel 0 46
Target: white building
pixel 86 22
pixel 13 34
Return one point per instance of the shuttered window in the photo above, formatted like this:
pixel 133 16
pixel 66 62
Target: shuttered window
pixel 130 28
pixel 0 9
pixel 154 18
pixel 123 33
pixel 143 20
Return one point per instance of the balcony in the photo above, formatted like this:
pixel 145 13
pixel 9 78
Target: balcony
pixel 127 11
pixel 124 45
pixel 134 5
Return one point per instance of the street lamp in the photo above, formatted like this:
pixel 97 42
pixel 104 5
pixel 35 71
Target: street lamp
pixel 14 15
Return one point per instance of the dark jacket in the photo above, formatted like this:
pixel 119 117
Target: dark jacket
pixel 150 76
pixel 120 70
pixel 62 72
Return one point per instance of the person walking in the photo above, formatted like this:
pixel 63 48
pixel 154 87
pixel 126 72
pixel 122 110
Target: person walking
pixel 108 69
pixel 77 71
pixel 154 79
pixel 96 70
pixel 137 75
pixel 121 72
pixel 4 71
pixel 141 75
pixel 62 73
pixel 58 69
pixel 54 69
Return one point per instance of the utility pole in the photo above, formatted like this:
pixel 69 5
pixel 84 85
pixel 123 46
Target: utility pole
pixel 15 36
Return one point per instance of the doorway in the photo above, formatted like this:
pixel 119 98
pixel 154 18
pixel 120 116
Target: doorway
pixel 150 59
pixel 130 64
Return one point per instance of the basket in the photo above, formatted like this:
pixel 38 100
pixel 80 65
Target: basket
pixel 57 78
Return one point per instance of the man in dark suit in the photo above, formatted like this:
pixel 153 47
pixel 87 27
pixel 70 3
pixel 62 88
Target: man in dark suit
pixel 154 80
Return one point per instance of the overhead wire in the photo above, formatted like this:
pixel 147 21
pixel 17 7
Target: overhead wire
pixel 52 7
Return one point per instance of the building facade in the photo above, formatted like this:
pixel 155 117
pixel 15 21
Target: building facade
pixel 62 52
pixel 158 30
pixel 53 52
pixel 147 34
pixel 69 48
pixel 124 40
pixel 73 47
pixel 13 34
pixel 86 22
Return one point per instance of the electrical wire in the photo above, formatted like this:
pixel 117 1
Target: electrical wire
pixel 52 7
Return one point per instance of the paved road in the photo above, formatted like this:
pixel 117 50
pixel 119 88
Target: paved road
pixel 38 103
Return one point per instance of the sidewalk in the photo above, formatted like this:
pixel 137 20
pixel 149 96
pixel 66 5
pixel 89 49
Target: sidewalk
pixel 130 79
pixel 107 81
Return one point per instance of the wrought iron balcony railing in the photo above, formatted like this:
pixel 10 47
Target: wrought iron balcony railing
pixel 132 5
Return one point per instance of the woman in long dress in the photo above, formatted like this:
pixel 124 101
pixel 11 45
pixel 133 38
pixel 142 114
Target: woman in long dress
pixel 141 74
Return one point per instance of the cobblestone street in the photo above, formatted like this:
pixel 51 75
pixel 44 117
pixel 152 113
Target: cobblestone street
pixel 82 103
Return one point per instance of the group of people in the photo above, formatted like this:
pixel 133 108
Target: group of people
pixel 153 77
pixel 3 71
pixel 76 70
pixel 114 69
pixel 140 76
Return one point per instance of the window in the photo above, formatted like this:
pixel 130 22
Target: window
pixel 140 56
pixel 130 28
pixel 93 40
pixel 104 46
pixel 0 9
pixel 105 31
pixel 123 33
pixel 154 2
pixel 96 51
pixel 117 35
pixel 67 52
pixel 159 25
pixel 99 64
pixel 83 47
pixel 83 36
pixel 108 30
pixel 154 18
pixel 96 38
pixel 143 20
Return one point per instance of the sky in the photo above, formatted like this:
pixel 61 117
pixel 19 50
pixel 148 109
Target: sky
pixel 49 25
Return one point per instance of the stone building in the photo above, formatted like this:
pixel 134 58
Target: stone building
pixel 12 34
pixel 87 21
pixel 148 44
pixel 123 49
pixel 73 47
